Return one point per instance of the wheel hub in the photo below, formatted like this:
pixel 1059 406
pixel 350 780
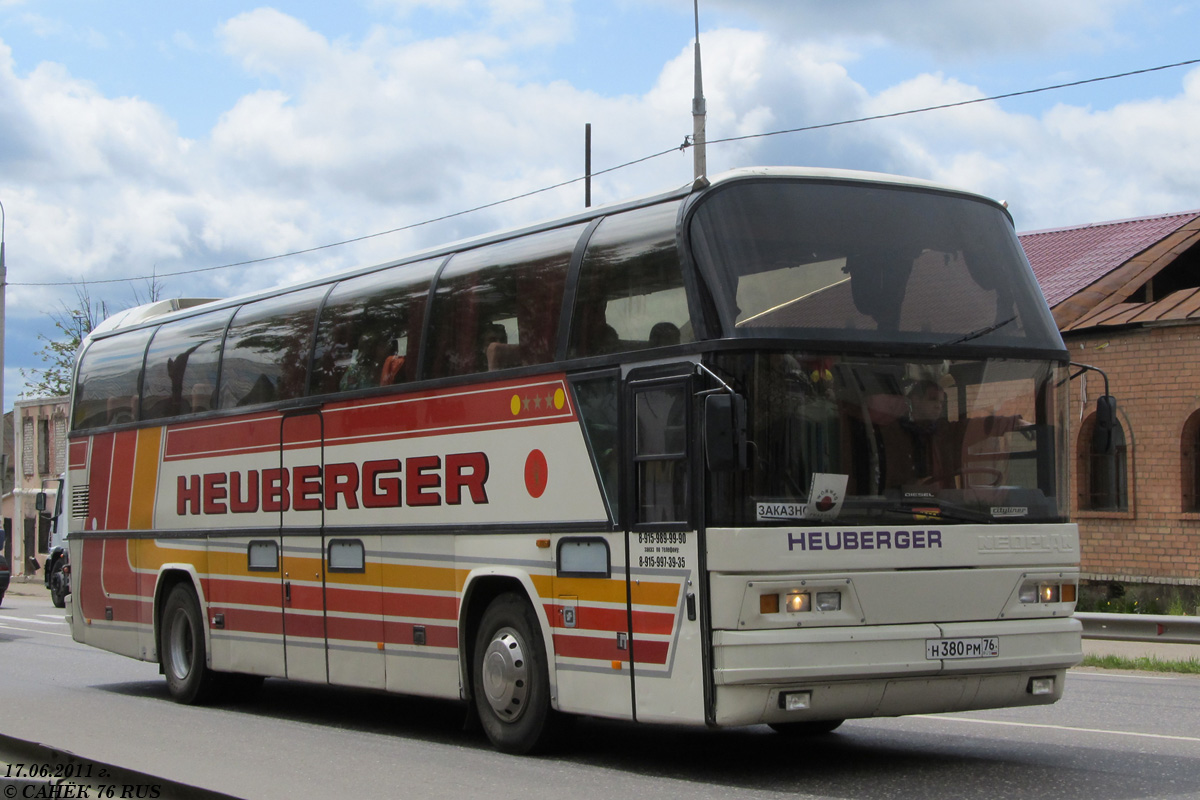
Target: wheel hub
pixel 506 675
pixel 180 646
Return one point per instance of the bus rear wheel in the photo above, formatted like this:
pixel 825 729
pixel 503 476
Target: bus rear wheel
pixel 182 649
pixel 509 676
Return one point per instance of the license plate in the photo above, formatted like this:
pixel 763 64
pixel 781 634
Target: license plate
pixel 981 647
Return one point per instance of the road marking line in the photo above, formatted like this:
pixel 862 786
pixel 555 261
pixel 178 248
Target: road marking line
pixel 32 630
pixel 29 619
pixel 1064 728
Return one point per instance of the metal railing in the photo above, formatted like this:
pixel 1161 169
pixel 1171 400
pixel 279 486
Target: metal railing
pixel 1168 629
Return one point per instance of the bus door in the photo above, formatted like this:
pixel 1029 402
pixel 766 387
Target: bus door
pixel 296 492
pixel 590 616
pixel 664 546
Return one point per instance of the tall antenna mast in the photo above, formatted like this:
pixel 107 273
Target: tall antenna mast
pixel 699 155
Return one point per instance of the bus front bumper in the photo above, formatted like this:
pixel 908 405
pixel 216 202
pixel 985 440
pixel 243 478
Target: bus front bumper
pixel 843 673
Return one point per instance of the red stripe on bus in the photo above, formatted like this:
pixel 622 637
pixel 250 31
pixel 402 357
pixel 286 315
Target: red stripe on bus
pixel 420 605
pixel 309 626
pixel 424 414
pixel 605 649
pixel 77 454
pixel 246 620
pixel 435 635
pixel 259 433
pixel 120 491
pixel 267 592
pixel 616 619
pixel 354 630
pixel 98 476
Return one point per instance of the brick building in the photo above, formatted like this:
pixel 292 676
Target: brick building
pixel 1126 296
pixel 38 441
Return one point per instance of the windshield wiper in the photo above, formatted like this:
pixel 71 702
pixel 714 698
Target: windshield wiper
pixel 933 508
pixel 976 334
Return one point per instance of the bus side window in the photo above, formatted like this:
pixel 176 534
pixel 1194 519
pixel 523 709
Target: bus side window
pixel 499 306
pixel 107 388
pixel 265 355
pixel 631 294
pixel 181 366
pixel 596 401
pixel 369 331
pixel 660 454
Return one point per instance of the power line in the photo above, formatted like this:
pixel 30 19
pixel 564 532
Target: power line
pixel 686 143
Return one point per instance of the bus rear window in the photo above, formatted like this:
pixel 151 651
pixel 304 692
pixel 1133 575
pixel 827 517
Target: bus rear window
pixel 106 388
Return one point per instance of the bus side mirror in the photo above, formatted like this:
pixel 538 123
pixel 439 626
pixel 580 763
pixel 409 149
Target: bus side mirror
pixel 1104 441
pixel 725 432
pixel 39 502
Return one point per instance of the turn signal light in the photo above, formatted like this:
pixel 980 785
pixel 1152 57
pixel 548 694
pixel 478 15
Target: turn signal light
pixel 1047 592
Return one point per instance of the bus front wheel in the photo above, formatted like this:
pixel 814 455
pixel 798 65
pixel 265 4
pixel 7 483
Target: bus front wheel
pixel 182 649
pixel 510 683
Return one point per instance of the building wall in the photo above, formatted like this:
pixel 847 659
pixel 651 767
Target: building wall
pixel 1155 375
pixel 39 453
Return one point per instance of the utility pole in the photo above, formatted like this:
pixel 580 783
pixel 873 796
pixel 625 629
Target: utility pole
pixel 699 156
pixel 587 165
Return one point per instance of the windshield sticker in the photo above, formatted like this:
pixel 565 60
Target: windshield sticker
pixel 768 512
pixel 825 495
pixel 1009 511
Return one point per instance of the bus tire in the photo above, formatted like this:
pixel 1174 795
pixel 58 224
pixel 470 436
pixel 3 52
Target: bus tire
pixel 182 650
pixel 816 727
pixel 510 681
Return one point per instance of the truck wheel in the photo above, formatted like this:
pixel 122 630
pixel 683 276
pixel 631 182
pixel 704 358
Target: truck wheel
pixel 181 649
pixel 510 681
pixel 60 586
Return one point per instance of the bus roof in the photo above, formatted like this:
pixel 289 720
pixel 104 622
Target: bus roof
pixel 154 313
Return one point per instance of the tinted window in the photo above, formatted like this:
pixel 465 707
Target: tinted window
pixel 181 366
pixel 863 262
pixel 499 306
pixel 369 332
pixel 107 388
pixel 631 293
pixel 265 358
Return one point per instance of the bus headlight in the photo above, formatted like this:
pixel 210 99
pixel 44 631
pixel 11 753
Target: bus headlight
pixel 799 601
pixel 829 601
pixel 1047 592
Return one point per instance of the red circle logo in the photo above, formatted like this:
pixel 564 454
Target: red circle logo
pixel 536 473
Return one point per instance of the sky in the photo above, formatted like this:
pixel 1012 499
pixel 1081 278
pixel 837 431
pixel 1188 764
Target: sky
pixel 144 138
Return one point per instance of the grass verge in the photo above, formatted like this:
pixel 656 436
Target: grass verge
pixel 1147 663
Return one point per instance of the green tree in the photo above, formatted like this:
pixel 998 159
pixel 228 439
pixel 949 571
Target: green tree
pixel 73 321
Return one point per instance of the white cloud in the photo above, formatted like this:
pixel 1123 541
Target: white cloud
pixel 350 137
pixel 950 28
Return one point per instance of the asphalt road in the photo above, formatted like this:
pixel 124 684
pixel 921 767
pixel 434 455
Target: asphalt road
pixel 1114 736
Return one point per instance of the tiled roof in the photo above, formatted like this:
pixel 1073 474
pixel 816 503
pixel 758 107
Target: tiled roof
pixel 1067 260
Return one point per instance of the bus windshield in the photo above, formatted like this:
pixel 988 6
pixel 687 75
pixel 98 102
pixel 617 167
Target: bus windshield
pixel 865 440
pixel 853 263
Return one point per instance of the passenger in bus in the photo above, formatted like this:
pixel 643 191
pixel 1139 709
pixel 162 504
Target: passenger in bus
pixel 664 334
pixel 497 352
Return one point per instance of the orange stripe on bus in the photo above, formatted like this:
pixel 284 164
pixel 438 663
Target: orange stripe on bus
pixel 145 479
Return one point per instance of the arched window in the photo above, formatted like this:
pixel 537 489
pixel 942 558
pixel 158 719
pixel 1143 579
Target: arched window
pixel 1103 478
pixel 1189 463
